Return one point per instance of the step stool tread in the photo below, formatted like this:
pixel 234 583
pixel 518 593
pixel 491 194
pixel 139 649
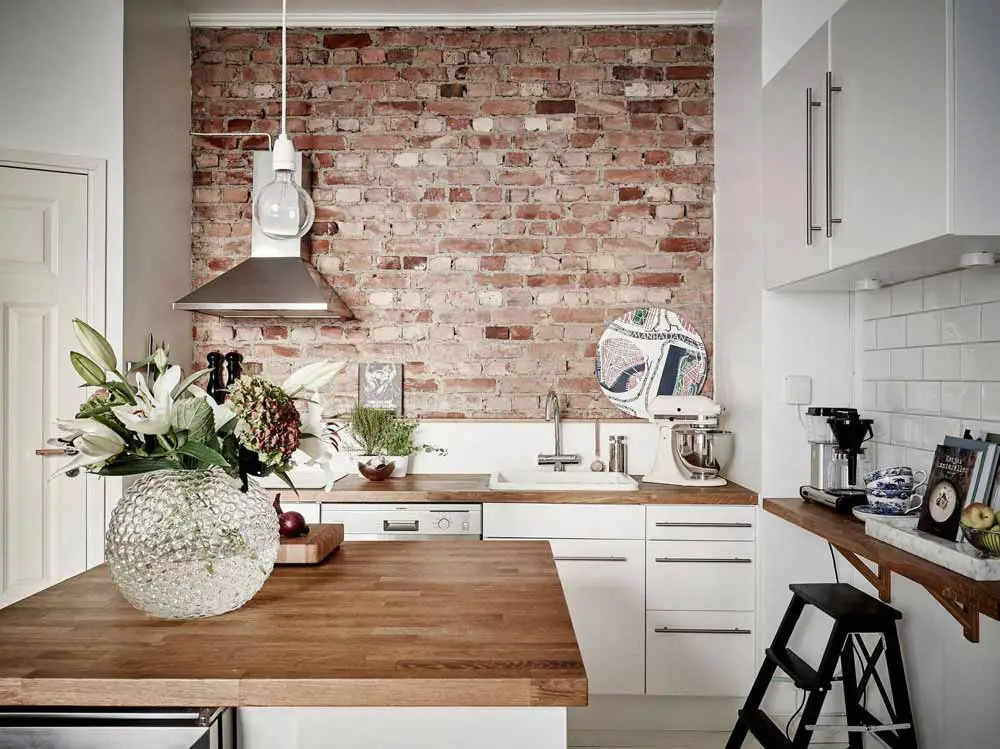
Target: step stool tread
pixel 803 675
pixel 846 603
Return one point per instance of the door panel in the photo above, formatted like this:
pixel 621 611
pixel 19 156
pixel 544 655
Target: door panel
pixel 43 286
pixel 787 255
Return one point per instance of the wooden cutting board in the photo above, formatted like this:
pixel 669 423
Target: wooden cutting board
pixel 313 547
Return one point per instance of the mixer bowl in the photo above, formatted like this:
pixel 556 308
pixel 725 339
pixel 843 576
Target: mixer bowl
pixel 703 452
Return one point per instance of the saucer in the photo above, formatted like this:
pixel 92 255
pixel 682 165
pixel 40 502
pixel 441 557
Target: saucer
pixel 867 512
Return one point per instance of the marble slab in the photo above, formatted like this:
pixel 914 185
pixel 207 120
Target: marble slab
pixel 957 557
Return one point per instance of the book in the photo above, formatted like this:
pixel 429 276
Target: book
pixel 981 448
pixel 951 479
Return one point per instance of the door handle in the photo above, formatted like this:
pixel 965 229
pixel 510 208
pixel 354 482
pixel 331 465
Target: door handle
pixel 711 560
pixel 53 452
pixel 591 559
pixel 688 631
pixel 665 524
pixel 830 91
pixel 810 105
pixel 401 525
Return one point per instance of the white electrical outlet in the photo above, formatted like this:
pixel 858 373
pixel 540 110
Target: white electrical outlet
pixel 798 390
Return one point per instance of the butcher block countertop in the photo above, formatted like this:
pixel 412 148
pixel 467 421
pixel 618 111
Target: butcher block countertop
pixel 459 487
pixel 378 624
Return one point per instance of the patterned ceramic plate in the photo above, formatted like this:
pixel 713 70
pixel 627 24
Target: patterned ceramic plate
pixel 649 352
pixel 866 512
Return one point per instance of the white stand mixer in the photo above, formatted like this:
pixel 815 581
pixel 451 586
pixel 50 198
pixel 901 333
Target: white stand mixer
pixel 691 449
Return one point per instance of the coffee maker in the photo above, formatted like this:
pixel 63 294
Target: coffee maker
pixel 836 437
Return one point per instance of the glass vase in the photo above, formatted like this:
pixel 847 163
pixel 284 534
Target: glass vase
pixel 190 544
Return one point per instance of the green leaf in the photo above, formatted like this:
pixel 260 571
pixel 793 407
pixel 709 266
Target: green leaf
pixel 131 466
pixel 203 454
pixel 90 372
pixel 194 416
pixel 122 390
pixel 96 345
pixel 187 382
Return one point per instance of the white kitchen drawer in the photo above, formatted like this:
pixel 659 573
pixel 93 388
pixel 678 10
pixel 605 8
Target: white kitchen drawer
pixel 563 521
pixel 700 575
pixel 703 653
pixel 309 510
pixel 699 523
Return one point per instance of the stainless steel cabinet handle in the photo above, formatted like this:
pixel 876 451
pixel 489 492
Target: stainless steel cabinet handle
pixel 53 452
pixel 685 631
pixel 703 525
pixel 830 91
pixel 401 525
pixel 810 105
pixel 591 559
pixel 710 560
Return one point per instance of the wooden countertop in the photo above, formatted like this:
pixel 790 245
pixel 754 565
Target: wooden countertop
pixel 378 624
pixel 457 487
pixel 964 597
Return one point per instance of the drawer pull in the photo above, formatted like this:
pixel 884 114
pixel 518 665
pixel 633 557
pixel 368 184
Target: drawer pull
pixel 703 525
pixel 710 560
pixel 399 526
pixel 685 631
pixel 591 559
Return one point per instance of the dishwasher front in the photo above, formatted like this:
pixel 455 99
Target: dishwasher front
pixel 117 728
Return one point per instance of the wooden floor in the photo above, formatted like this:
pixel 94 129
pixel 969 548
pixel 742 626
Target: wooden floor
pixel 650 740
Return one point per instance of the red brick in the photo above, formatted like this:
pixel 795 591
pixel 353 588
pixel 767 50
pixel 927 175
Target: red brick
pixel 517 245
pixel 339 41
pixel 372 74
pixel 555 106
pixel 498 333
pixel 631 193
pixel 657 279
pixel 684 244
pixel 688 72
pixel 611 38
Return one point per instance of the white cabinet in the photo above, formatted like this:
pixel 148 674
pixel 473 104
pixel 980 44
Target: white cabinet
pixel 700 575
pixel 603 583
pixel 904 162
pixel 699 523
pixel 795 243
pixel 699 653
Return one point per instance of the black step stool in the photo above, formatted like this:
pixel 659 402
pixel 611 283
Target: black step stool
pixel 853 612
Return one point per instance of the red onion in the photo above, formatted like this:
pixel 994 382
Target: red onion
pixel 292 524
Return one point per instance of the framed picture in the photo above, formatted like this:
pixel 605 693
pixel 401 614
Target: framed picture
pixel 380 385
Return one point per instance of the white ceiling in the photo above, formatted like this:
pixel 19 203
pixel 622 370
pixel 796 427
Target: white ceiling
pixel 463 7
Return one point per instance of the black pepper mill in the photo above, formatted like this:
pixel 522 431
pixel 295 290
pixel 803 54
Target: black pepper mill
pixel 216 386
pixel 234 368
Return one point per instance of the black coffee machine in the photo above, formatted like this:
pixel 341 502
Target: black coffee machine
pixel 850 432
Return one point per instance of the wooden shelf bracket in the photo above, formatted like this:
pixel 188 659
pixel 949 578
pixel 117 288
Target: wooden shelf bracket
pixel 880 577
pixel 965 613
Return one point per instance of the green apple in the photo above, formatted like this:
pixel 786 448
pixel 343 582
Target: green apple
pixel 978 517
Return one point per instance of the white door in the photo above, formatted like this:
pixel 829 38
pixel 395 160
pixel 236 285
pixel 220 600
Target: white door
pixel 605 591
pixel 892 59
pixel 795 245
pixel 43 286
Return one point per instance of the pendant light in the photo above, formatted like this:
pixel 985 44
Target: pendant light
pixel 282 209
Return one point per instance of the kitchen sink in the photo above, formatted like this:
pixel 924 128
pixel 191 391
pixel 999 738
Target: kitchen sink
pixel 553 481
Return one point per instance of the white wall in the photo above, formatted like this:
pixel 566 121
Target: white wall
pixel 157 152
pixel 62 93
pixel 787 25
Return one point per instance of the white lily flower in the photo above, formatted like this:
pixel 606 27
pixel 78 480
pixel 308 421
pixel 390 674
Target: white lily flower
pixel 94 442
pixel 312 377
pixel 222 413
pixel 151 413
pixel 318 448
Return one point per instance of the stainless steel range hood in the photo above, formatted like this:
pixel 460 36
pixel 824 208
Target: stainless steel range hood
pixel 276 281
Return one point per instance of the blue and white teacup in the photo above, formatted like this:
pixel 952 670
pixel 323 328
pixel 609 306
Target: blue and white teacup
pixel 893 472
pixel 894 501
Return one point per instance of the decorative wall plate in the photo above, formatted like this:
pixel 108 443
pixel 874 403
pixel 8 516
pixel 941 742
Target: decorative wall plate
pixel 649 352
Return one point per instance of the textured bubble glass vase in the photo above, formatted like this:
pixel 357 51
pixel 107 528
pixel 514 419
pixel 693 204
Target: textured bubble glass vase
pixel 189 544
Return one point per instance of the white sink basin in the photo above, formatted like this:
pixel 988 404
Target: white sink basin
pixel 551 481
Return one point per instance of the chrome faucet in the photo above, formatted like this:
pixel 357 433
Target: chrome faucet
pixel 553 413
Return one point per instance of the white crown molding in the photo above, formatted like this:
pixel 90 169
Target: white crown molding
pixel 331 19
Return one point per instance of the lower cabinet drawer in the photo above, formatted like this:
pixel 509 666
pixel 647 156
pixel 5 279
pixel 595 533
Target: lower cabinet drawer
pixel 700 575
pixel 699 653
pixel 700 523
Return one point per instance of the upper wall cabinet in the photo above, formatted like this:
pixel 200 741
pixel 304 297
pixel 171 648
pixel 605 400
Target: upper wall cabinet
pixel 906 164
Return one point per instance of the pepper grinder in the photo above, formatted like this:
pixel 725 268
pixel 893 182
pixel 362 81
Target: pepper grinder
pixel 234 368
pixel 216 387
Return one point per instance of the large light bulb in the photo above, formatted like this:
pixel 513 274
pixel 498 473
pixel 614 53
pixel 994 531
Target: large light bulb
pixel 283 210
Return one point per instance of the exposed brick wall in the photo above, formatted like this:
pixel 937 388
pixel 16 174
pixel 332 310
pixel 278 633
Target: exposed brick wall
pixel 486 199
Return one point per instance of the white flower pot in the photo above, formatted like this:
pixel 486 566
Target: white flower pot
pixel 401 463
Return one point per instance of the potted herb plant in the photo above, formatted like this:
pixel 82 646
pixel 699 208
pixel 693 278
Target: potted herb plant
pixel 379 434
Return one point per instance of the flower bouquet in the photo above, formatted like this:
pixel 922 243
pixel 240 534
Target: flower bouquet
pixel 194 535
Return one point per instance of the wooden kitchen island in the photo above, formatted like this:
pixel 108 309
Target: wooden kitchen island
pixel 469 644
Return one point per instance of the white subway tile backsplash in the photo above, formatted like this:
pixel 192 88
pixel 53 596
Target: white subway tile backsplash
pixel 876 365
pixel 891 455
pixel 980 285
pixel 870 332
pixel 991 322
pixel 907 297
pixel 891 396
pixel 923 329
pixel 960 325
pixel 923 397
pixel 881 427
pixel 936 429
pixel 991 401
pixel 906 430
pixel 918 460
pixel 942 291
pixel 892 332
pixel 906 364
pixel 961 399
pixel 943 363
pixel 981 361
pixel 869 395
pixel 875 304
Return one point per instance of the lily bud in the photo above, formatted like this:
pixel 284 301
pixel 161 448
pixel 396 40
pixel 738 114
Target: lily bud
pixel 89 371
pixel 312 377
pixel 95 345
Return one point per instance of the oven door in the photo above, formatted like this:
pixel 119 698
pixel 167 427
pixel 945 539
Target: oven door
pixel 391 522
